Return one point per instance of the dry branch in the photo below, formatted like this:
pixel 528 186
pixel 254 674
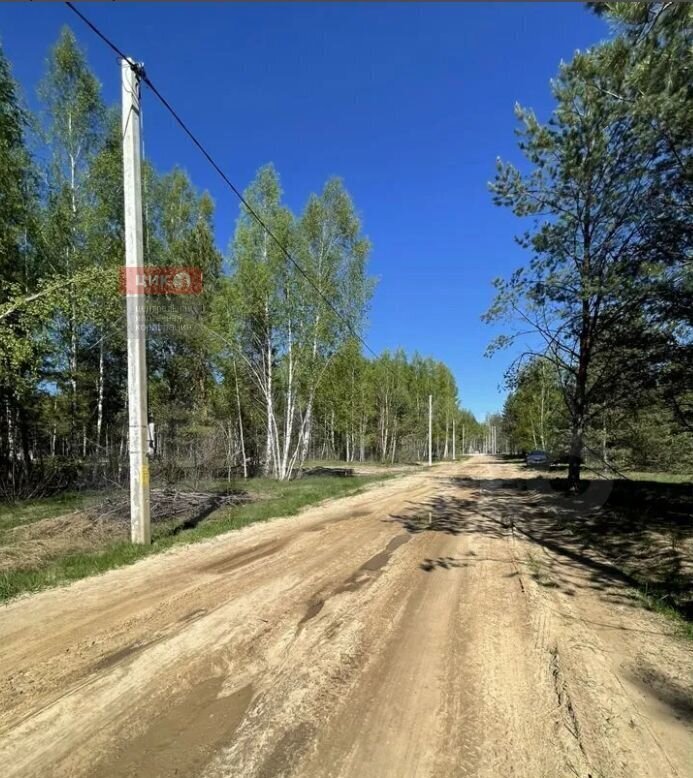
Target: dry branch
pixel 168 503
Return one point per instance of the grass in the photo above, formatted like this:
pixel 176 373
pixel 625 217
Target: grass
pixel 371 464
pixel 274 499
pixel 660 478
pixel 29 511
pixel 539 571
pixel 645 529
pixel 681 624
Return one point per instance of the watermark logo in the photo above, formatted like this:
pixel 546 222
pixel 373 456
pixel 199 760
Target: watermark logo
pixel 152 280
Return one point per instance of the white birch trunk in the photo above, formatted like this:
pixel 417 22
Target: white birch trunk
pixel 240 422
pixel 100 393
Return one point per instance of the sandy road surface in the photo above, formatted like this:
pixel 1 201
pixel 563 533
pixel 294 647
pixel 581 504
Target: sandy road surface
pixel 431 626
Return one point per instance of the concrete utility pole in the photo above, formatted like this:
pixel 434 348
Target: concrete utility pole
pixel 140 530
pixel 430 429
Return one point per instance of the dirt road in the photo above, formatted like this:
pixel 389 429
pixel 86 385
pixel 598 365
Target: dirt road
pixel 432 626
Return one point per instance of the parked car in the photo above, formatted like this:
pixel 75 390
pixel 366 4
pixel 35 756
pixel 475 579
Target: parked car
pixel 537 458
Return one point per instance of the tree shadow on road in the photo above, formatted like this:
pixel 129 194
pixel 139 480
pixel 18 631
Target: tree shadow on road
pixel 614 542
pixel 624 534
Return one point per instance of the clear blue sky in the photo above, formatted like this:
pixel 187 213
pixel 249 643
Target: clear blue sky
pixel 409 103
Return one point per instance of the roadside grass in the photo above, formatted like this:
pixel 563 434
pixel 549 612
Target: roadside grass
pixel 374 464
pixel 682 625
pixel 342 463
pixel 645 529
pixel 29 511
pixel 273 499
pixel 660 477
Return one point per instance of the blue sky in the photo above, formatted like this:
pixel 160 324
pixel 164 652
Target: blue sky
pixel 409 103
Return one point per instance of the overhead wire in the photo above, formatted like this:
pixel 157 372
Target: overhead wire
pixel 181 123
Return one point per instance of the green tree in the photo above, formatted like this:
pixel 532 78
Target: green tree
pixel 260 294
pixel 600 204
pixel 74 127
pixel 333 254
pixel 534 414
pixel 181 345
pixel 21 342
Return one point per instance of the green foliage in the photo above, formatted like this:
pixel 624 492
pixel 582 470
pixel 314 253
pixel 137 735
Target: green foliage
pixel 284 326
pixel 381 407
pixel 21 342
pixel 260 371
pixel 610 202
pixel 534 415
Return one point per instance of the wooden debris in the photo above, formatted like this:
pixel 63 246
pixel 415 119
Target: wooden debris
pixel 344 472
pixel 168 504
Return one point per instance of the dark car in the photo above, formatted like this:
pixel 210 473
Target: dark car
pixel 537 458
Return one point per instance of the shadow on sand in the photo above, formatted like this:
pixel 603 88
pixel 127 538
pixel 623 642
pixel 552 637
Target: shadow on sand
pixel 612 541
pixel 623 533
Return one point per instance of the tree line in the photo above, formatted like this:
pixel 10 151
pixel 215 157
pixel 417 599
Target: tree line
pixel 644 434
pixel 256 374
pixel 607 296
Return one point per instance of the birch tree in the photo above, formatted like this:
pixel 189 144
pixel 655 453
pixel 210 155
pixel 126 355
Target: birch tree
pixel 261 291
pixel 333 254
pixel 74 116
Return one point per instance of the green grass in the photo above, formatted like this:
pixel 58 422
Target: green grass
pixel 28 511
pixel 371 464
pixel 682 626
pixel 659 477
pixel 539 571
pixel 275 499
pixel 644 529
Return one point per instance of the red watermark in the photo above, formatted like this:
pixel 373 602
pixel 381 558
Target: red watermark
pixel 160 280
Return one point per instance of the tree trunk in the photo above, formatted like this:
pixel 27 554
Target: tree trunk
pixel 307 431
pixel 240 422
pixel 26 448
pixel 100 392
pixel 269 402
pixel 285 467
pixel 575 458
pixel 73 308
pixel 579 414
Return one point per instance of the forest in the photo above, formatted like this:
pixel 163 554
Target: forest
pixel 606 299
pixel 261 371
pixel 266 369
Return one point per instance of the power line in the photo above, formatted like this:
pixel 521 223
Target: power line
pixel 96 30
pixel 145 78
pixel 252 211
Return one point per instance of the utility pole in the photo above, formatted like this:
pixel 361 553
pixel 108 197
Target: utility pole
pixel 140 530
pixel 430 429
